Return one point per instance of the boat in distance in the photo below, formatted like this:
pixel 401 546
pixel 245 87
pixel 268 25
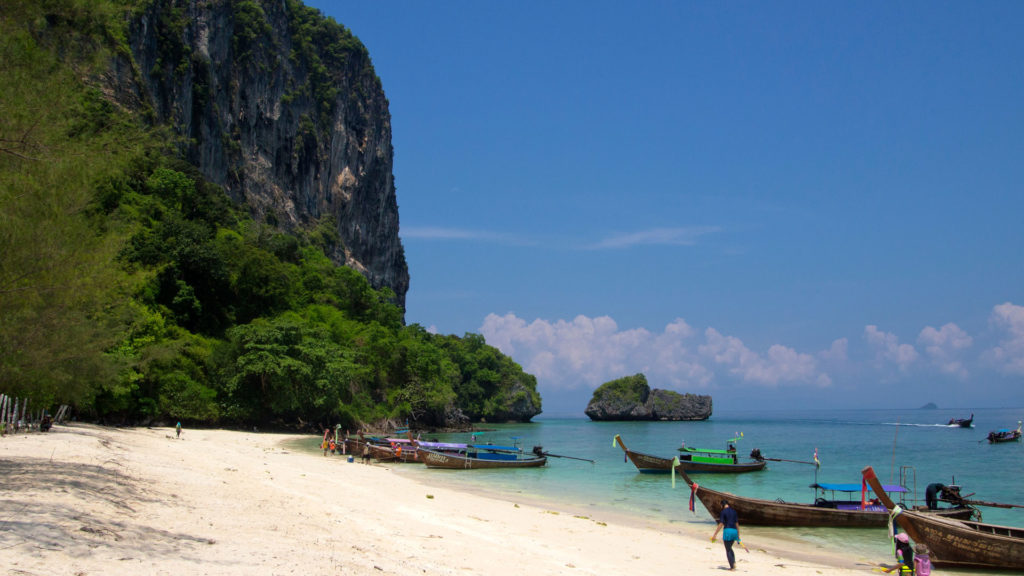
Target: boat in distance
pixel 830 513
pixel 957 543
pixel 1005 435
pixel 693 461
pixel 961 422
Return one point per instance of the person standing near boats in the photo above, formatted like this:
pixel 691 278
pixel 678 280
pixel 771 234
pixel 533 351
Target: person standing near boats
pixel 904 554
pixel 931 494
pixel 328 442
pixel 729 524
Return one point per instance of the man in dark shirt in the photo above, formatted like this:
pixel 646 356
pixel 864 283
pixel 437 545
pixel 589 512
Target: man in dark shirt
pixel 931 495
pixel 729 524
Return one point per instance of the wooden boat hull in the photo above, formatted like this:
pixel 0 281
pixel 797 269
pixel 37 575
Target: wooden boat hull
pixel 757 512
pixel 461 462
pixel 648 463
pixel 707 467
pixel 955 543
pixel 382 453
pixel 959 544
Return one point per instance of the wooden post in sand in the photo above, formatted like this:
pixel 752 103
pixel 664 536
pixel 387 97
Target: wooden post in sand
pixel 3 412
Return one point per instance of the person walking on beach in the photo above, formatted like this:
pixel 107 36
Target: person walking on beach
pixel 729 524
pixel 177 430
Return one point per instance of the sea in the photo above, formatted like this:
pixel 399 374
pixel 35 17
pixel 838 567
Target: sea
pixel 913 447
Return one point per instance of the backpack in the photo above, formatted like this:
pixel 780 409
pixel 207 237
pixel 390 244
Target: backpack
pixel 922 565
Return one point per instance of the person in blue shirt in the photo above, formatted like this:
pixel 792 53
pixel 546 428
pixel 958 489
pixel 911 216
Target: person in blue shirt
pixel 729 524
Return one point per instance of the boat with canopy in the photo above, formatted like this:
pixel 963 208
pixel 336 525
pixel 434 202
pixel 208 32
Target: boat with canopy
pixel 692 460
pixel 479 456
pixel 835 506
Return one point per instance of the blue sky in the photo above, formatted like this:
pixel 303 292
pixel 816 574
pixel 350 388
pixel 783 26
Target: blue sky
pixel 779 204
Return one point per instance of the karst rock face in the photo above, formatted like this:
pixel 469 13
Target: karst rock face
pixel 630 398
pixel 282 108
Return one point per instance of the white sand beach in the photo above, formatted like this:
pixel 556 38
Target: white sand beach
pixel 87 500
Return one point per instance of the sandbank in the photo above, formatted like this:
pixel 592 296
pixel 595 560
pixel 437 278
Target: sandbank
pixel 88 500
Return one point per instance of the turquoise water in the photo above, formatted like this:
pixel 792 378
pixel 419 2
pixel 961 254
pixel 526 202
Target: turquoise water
pixel 916 441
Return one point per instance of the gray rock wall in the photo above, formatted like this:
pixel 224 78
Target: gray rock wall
pixel 298 130
pixel 643 403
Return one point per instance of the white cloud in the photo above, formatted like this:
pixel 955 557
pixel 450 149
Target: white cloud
pixel 779 365
pixel 888 348
pixel 657 236
pixel 587 352
pixel 439 233
pixel 1008 355
pixel 837 352
pixel 943 347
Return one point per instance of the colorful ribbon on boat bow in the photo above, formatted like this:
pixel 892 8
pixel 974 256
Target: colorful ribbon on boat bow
pixel 693 495
pixel 892 516
pixel 675 462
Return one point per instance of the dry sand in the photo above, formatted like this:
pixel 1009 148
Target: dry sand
pixel 89 500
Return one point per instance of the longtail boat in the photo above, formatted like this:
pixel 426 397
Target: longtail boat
pixel 1005 435
pixel 692 461
pixel 955 543
pixel 824 512
pixel 961 422
pixel 476 457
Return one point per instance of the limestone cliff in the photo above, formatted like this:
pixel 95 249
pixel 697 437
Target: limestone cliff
pixel 282 108
pixel 630 398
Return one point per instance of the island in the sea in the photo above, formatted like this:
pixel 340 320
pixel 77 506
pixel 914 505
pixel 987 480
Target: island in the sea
pixel 630 398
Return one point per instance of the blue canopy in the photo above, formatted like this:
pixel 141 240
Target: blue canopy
pixel 855 487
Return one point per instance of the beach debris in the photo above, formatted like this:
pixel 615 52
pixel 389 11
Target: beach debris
pixel 430 496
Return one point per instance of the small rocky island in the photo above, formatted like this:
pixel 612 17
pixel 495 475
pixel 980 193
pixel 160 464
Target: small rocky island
pixel 630 398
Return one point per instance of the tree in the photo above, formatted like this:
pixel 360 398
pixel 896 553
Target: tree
pixel 59 294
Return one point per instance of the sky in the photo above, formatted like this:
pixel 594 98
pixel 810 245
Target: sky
pixel 780 204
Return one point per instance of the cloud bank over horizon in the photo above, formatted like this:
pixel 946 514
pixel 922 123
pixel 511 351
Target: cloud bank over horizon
pixel 582 353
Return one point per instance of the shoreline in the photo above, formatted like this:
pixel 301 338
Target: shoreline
pixel 85 499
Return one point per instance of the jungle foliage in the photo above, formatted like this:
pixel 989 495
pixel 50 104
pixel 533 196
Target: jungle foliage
pixel 137 291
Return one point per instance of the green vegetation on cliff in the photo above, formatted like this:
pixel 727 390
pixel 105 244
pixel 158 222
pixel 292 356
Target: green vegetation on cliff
pixel 626 390
pixel 135 290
